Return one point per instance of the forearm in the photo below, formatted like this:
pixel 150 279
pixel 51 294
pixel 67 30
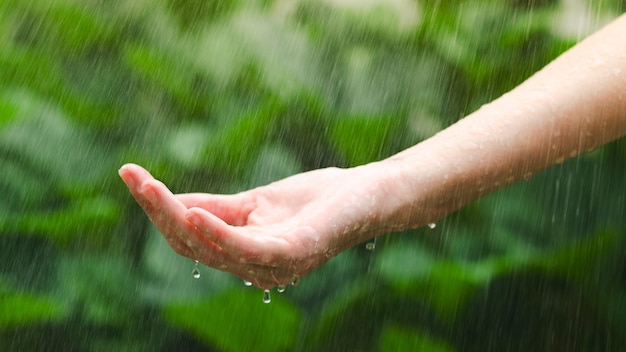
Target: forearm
pixel 573 105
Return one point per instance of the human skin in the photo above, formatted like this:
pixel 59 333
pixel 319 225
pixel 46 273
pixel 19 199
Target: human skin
pixel 271 234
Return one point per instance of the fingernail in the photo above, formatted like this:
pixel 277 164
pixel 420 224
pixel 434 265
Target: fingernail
pixel 130 181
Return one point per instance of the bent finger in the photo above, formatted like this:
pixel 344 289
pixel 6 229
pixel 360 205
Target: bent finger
pixel 239 241
pixel 168 213
pixel 134 176
pixel 233 209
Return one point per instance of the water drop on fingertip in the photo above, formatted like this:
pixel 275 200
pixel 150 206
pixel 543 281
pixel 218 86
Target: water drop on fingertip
pixel 266 296
pixel 195 273
pixel 280 289
pixel 295 281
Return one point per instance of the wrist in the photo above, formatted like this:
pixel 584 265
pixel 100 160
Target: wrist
pixel 410 194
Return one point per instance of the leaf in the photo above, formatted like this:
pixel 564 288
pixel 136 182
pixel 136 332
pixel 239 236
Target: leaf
pixel 65 223
pixel 102 286
pixel 354 304
pixel 163 69
pixel 379 21
pixel 8 110
pixel 44 137
pixel 578 259
pixel 79 28
pixel 231 147
pixel 23 309
pixel 192 13
pixel 21 189
pixel 170 274
pixel 274 163
pixel 398 338
pixel 356 315
pixel 51 173
pixel 406 263
pixel 447 284
pixel 237 320
pixel 186 145
pixel 289 62
pixel 361 140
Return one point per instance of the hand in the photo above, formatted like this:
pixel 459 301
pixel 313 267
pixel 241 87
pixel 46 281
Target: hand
pixel 269 235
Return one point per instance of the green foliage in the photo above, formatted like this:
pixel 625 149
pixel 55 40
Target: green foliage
pixel 20 309
pixel 235 321
pixel 395 338
pixel 220 96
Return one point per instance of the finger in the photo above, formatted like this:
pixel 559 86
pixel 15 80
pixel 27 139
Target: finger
pixel 166 212
pixel 233 209
pixel 155 199
pixel 162 200
pixel 235 240
pixel 268 277
pixel 169 213
pixel 175 242
pixel 134 176
pixel 214 229
pixel 244 263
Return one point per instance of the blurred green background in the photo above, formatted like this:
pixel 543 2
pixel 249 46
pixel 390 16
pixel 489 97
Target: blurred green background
pixel 221 96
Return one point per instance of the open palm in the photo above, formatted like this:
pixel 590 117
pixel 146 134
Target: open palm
pixel 267 235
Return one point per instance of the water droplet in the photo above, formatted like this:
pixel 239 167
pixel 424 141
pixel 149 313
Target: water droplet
pixel 597 63
pixel 280 289
pixel 295 281
pixel 432 225
pixel 247 283
pixel 371 245
pixel 195 272
pixel 266 296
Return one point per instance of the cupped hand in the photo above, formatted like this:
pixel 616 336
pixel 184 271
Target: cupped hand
pixel 268 235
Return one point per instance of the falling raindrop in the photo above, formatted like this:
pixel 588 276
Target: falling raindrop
pixel 196 272
pixel 432 225
pixel 247 283
pixel 266 296
pixel 280 289
pixel 295 281
pixel 370 246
